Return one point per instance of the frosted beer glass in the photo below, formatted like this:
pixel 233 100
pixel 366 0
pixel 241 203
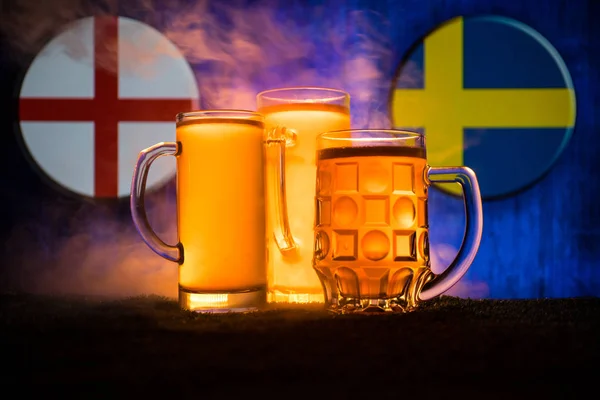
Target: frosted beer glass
pixel 371 234
pixel 220 209
pixel 302 113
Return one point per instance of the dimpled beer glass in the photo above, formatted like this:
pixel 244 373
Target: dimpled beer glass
pixel 371 244
pixel 304 112
pixel 220 209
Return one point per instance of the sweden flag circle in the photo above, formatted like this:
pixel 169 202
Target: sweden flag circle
pixel 489 93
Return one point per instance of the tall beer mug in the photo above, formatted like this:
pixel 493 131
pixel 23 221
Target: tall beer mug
pixel 302 113
pixel 220 209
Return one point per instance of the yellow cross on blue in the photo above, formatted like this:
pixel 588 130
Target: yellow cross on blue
pixel 490 93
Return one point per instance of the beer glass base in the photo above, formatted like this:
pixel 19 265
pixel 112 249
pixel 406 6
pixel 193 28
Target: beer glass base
pixel 280 296
pixel 349 305
pixel 250 300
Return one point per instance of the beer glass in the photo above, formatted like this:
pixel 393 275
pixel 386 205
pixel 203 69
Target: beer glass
pixel 301 113
pixel 220 209
pixel 371 237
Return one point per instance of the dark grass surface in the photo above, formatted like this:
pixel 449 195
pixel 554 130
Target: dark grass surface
pixel 146 346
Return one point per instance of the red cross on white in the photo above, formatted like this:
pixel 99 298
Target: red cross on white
pixel 97 94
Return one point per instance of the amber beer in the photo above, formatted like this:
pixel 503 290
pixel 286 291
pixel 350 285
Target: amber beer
pixel 371 245
pixel 306 112
pixel 372 207
pixel 220 209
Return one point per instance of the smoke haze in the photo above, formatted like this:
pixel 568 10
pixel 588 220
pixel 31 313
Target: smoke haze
pixel 235 52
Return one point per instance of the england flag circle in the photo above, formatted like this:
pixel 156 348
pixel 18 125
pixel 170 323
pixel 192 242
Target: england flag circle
pixel 98 93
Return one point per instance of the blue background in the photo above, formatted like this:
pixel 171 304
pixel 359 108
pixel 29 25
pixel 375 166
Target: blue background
pixel 540 242
pixel 501 53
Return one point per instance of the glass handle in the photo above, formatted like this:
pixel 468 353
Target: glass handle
pixel 137 204
pixel 276 141
pixel 473 228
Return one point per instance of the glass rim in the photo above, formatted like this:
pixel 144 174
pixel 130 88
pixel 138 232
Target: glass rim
pixel 218 113
pixel 339 94
pixel 394 135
